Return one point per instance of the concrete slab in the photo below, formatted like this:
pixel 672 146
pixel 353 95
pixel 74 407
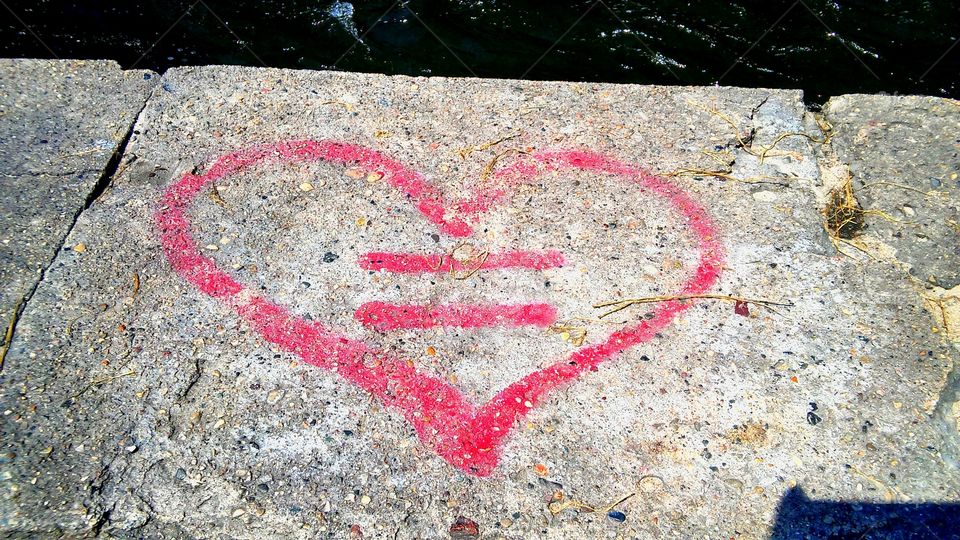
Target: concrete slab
pixel 304 286
pixel 60 124
pixel 903 154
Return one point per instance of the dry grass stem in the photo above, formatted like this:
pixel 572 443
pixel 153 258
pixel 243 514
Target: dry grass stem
pixel 344 104
pixel 844 215
pixel 825 127
pixel 488 168
pixel 215 196
pixel 931 193
pixel 575 335
pixel 136 285
pixel 556 507
pixel 747 144
pixel 98 382
pixel 627 302
pixel 480 260
pixel 727 176
pixel 8 335
pixel 465 152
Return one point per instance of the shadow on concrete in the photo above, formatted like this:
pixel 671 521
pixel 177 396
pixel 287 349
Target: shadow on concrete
pixel 798 516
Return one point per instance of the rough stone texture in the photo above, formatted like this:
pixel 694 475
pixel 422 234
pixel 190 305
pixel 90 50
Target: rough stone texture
pixel 60 124
pixel 149 409
pixel 896 146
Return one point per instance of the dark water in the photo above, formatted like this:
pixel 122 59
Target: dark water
pixel 823 47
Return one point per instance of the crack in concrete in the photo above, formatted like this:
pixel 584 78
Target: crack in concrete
pixel 106 178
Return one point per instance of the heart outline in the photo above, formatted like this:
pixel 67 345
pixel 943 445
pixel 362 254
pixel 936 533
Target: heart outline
pixel 466 436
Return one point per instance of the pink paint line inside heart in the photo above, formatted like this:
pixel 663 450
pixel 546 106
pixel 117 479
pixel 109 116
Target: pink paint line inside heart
pixel 385 317
pixel 415 263
pixel 467 436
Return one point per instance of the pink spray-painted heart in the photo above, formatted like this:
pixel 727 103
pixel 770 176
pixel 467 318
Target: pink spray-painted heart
pixel 467 436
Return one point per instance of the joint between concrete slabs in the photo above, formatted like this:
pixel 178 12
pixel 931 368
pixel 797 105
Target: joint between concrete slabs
pixel 106 173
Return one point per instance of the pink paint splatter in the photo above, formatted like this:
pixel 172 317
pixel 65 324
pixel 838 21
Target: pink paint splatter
pixel 465 435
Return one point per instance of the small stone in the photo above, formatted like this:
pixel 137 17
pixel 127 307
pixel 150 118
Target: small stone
pixel 908 211
pixel 212 247
pixel 274 396
pixel 616 516
pixel 365 500
pixel 354 173
pixel 734 483
pixel 464 529
pixel 80 248
pixel 180 474
pixel 505 523
pixel 132 448
pixel 306 187
pixel 238 512
pixel 219 424
pixel 329 257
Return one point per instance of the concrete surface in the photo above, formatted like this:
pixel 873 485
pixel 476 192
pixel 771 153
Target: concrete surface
pixel 61 122
pixel 137 405
pixel 903 155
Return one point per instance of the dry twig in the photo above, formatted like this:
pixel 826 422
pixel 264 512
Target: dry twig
pixel 627 302
pixel 8 336
pixel 465 152
pixel 136 285
pixel 726 176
